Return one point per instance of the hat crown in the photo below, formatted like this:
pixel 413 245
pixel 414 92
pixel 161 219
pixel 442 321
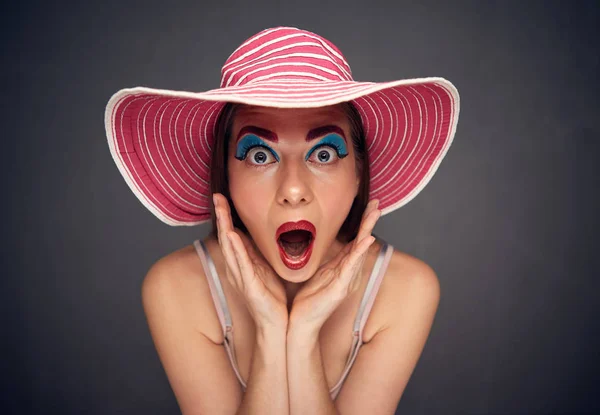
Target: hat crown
pixel 285 53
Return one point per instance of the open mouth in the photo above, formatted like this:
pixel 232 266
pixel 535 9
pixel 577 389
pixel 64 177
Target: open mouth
pixel 295 242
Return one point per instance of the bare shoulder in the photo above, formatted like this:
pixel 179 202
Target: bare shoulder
pixel 406 305
pixel 178 280
pixel 176 300
pixel 409 284
pixel 412 272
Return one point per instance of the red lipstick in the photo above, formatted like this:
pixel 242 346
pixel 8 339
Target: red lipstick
pixel 293 262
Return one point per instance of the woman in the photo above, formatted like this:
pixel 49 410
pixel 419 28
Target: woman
pixel 294 162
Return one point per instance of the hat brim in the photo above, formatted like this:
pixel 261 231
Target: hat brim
pixel 161 140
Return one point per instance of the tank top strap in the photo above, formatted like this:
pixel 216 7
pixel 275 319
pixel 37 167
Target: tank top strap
pixel 218 296
pixel 381 264
pixel 379 269
pixel 216 289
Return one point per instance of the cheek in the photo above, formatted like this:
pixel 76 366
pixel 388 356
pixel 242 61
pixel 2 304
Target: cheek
pixel 336 193
pixel 336 182
pixel 249 192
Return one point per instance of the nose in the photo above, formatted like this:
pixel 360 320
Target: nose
pixel 294 187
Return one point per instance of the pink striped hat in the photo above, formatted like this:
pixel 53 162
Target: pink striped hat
pixel 161 140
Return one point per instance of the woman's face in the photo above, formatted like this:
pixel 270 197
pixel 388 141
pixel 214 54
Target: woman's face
pixel 291 165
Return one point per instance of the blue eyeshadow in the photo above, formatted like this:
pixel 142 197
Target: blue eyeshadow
pixel 248 142
pixel 331 140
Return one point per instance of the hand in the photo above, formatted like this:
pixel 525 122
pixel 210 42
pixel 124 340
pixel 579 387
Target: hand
pixel 249 273
pixel 336 279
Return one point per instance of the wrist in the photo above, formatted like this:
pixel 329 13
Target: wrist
pixel 302 334
pixel 269 334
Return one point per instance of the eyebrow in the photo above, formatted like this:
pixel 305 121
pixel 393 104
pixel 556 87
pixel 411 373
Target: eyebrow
pixel 261 132
pixel 271 136
pixel 321 131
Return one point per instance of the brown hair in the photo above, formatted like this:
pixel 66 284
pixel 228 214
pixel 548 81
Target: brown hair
pixel 219 182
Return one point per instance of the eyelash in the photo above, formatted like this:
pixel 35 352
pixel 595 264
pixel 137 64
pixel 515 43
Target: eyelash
pixel 337 149
pixel 248 146
pixel 250 142
pixel 265 149
pixel 334 142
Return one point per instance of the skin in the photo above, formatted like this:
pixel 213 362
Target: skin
pixel 289 363
pixel 265 293
pixel 293 188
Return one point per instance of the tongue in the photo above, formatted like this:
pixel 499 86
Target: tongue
pixel 294 242
pixel 294 248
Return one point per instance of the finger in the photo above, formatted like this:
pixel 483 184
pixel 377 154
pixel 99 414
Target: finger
pixel 242 258
pixel 368 223
pixel 373 204
pixel 369 208
pixel 225 205
pixel 335 261
pixel 246 241
pixel 356 257
pixel 225 245
pixel 352 264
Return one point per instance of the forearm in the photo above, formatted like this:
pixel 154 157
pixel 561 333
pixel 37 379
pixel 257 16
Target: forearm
pixel 267 389
pixel 309 392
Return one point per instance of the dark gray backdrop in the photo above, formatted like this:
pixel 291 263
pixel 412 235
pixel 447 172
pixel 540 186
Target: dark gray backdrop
pixel 508 222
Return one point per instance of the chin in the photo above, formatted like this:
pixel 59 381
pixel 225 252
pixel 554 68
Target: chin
pixel 296 276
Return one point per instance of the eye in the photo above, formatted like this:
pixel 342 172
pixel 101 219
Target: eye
pixel 324 155
pixel 255 151
pixel 328 150
pixel 259 156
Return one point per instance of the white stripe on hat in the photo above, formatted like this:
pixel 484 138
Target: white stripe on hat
pixel 319 43
pixel 135 184
pixel 261 47
pixel 198 159
pixel 298 65
pixel 279 57
pixel 175 145
pixel 399 143
pixel 261 58
pixel 302 85
pixel 252 39
pixel 419 140
pixel 164 184
pixel 291 95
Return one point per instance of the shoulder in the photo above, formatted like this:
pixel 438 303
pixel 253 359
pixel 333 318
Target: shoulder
pixel 173 272
pixel 406 302
pixel 176 282
pixel 412 273
pixel 176 301
pixel 410 287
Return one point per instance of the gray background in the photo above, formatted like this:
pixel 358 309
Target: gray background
pixel 508 222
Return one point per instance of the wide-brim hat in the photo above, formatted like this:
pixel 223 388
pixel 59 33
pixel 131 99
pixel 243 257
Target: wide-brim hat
pixel 161 140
